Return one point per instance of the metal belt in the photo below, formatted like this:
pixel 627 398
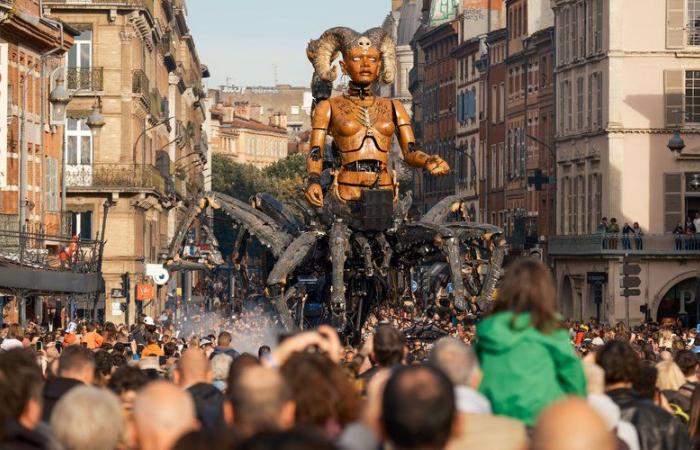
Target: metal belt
pixel 364 166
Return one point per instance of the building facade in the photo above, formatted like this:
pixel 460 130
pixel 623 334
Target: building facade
pixel 437 120
pixel 30 148
pixel 245 140
pixel 138 62
pixel 625 77
pixel 492 128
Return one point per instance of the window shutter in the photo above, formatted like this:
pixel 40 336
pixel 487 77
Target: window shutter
pixel 460 107
pixel 675 24
pixel 673 97
pixel 673 203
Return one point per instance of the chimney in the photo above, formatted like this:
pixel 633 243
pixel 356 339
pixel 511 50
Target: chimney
pixel 242 110
pixel 282 121
pixel 279 119
pixel 227 113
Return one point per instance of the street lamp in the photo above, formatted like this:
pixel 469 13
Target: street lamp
pixel 676 143
pixel 59 98
pixel 96 120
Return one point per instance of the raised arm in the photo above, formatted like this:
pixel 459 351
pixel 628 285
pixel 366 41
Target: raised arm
pixel 414 157
pixel 314 162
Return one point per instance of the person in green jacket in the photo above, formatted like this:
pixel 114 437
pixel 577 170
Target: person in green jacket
pixel 526 357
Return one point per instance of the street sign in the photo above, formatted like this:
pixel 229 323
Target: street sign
pixel 631 282
pixel 631 293
pixel 631 269
pixel 596 277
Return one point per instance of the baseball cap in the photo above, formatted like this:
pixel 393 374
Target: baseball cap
pixel 71 328
pixel 598 341
pixel 148 320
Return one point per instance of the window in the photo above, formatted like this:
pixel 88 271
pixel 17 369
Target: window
pixel 599 99
pixel 569 106
pixel 502 102
pixel 591 85
pixel 563 204
pixel 493 176
pixel 51 184
pixel 581 29
pixel 565 36
pixel 574 33
pixel 501 156
pixel 562 106
pixel 79 61
pixel 78 142
pixel 693 22
pixel 692 96
pixel 294 110
pixel 598 25
pixel 494 105
pixel 579 103
pixel 81 224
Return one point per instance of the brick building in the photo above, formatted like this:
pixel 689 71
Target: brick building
pixel 438 115
pixel 138 61
pixel 30 46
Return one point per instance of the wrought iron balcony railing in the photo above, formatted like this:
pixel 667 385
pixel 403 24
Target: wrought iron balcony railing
pixel 619 245
pixel 115 176
pixel 85 78
pixel 140 83
pixel 49 252
pixel 169 51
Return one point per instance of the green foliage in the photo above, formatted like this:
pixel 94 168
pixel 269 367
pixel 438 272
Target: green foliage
pixel 283 179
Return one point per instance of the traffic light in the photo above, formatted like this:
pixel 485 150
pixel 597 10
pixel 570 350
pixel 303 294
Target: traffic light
pixel 630 280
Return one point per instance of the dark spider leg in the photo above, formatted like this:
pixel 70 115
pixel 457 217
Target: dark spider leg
pixel 366 253
pixel 290 259
pixel 338 244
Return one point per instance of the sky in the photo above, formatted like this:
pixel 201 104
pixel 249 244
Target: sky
pixel 243 40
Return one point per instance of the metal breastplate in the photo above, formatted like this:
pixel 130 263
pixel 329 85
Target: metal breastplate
pixel 362 132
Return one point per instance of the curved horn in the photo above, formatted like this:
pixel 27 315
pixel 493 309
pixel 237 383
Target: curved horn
pixel 322 51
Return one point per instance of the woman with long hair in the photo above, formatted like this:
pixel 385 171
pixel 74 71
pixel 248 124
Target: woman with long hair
pixel 526 356
pixel 694 424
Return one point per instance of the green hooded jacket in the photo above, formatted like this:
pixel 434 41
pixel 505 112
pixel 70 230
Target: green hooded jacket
pixel 525 370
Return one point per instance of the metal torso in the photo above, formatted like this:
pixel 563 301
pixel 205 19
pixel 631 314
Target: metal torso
pixel 362 131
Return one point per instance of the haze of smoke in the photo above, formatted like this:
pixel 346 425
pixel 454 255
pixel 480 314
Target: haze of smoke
pixel 250 330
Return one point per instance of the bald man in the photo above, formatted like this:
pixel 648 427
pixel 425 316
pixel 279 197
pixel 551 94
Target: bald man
pixel 162 414
pixel 194 374
pixel 572 424
pixel 259 401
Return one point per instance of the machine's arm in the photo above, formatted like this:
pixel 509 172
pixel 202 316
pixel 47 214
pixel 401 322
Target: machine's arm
pixel 414 157
pixel 314 162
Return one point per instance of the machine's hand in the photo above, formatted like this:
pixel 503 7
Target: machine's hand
pixel 437 166
pixel 314 195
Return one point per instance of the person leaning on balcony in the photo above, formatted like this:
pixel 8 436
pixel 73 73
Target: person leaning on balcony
pixel 613 229
pixel 638 233
pixel 678 231
pixel 603 229
pixel 626 231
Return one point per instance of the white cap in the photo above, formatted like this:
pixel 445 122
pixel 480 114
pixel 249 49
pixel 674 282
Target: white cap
pixel 148 320
pixel 598 341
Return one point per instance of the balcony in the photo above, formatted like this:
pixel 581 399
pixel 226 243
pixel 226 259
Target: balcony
pixel 88 79
pixel 169 52
pixel 115 176
pixel 140 84
pixel 147 4
pixel 606 245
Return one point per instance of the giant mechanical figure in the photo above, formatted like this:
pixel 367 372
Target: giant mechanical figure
pixel 356 240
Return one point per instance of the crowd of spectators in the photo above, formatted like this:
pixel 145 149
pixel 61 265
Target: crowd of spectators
pixel 518 379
